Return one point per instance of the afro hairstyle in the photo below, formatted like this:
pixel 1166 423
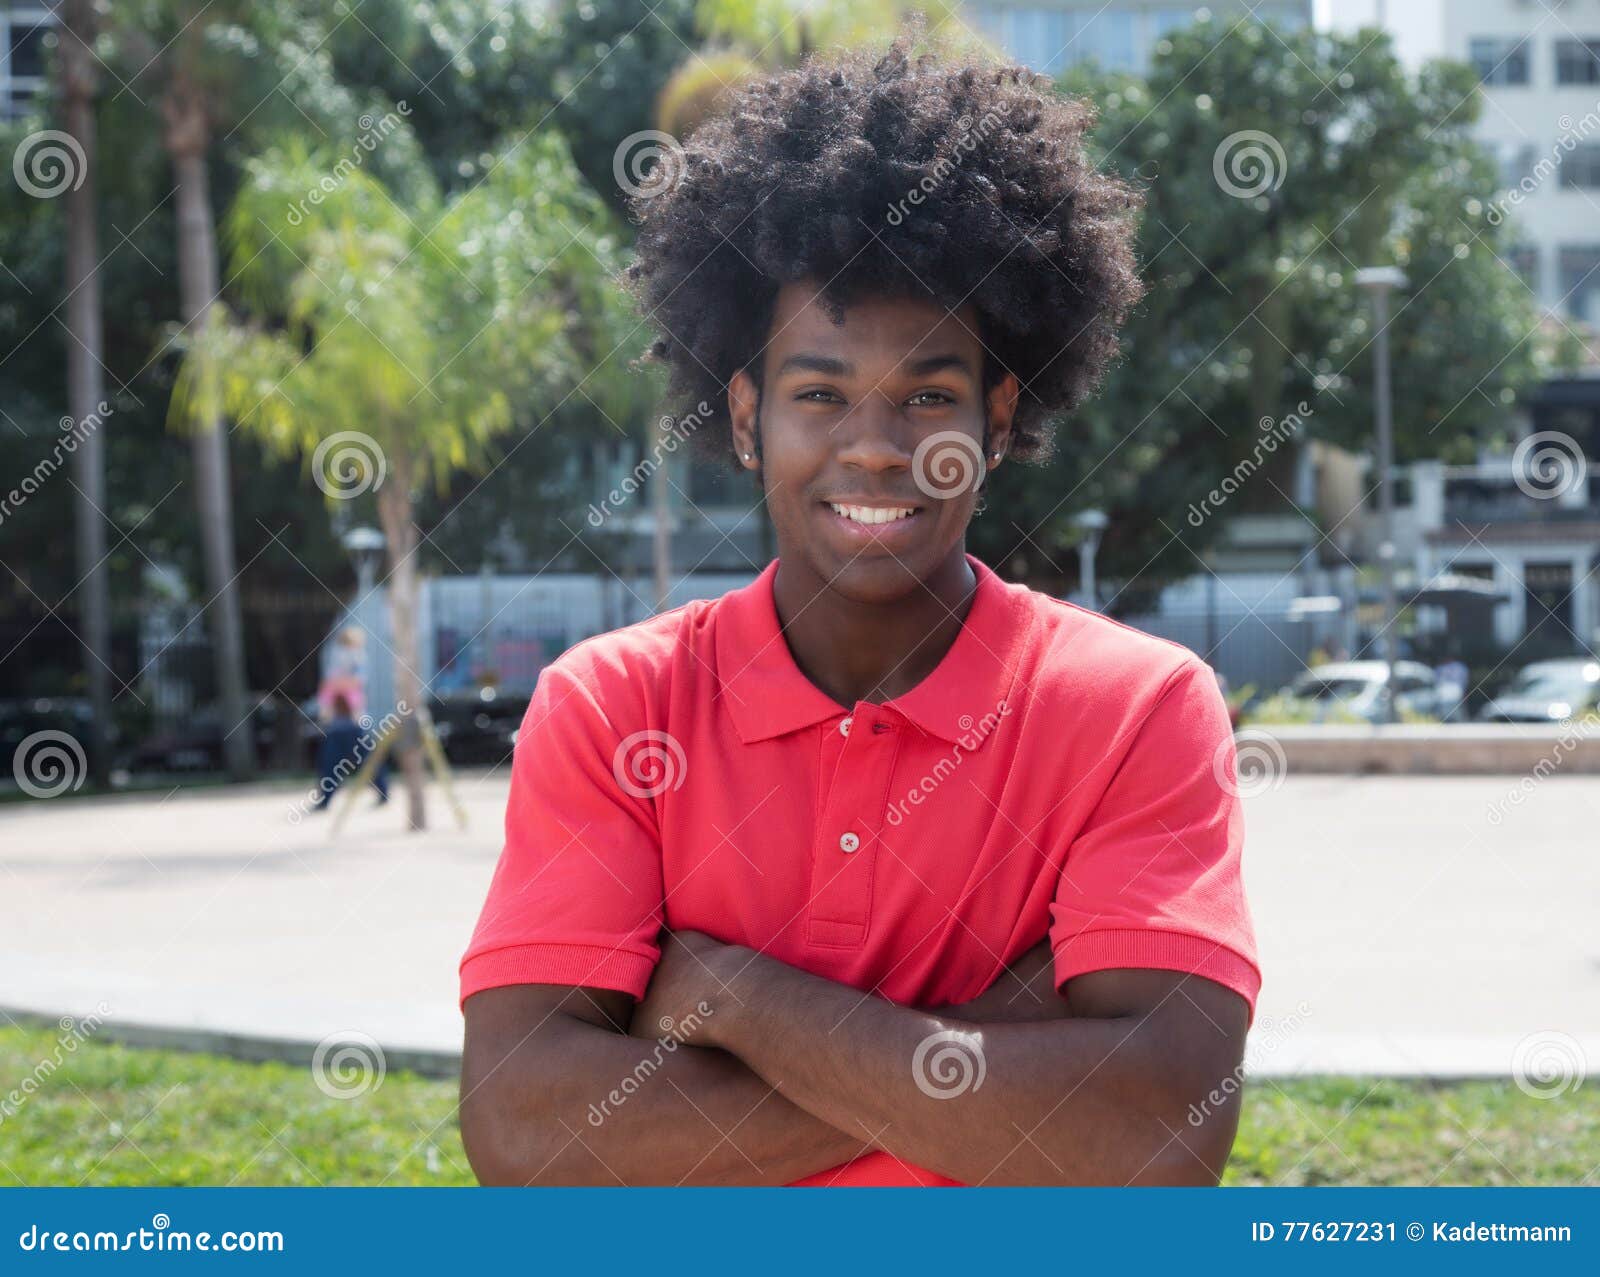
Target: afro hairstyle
pixel 952 179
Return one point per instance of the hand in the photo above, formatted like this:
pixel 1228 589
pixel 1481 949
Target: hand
pixel 685 988
pixel 1025 992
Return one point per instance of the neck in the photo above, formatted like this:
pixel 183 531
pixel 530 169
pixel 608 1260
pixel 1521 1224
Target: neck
pixel 871 652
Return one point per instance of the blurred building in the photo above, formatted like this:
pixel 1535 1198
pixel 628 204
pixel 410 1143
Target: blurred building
pixel 1527 522
pixel 1120 35
pixel 25 32
pixel 1539 65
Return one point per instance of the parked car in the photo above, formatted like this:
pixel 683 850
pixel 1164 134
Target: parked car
pixel 1547 691
pixel 479 725
pixel 1359 687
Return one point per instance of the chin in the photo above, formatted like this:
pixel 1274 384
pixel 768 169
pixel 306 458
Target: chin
pixel 876 578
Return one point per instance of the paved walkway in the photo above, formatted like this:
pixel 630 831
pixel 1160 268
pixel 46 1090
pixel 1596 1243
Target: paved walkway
pixel 1403 930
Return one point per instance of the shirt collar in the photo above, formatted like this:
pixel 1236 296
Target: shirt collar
pixel 767 694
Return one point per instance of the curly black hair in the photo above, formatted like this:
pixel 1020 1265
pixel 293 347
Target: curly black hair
pixel 953 179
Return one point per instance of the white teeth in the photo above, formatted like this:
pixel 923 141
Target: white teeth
pixel 867 514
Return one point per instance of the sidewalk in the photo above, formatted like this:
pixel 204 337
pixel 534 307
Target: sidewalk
pixel 1402 930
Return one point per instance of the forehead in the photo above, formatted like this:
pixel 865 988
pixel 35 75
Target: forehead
pixel 874 329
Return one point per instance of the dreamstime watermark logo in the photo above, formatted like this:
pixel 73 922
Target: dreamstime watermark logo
pixel 974 733
pixel 1248 164
pixel 348 1064
pixel 1549 1064
pixel 673 1034
pixel 946 464
pixel 1273 435
pixel 71 1034
pixel 648 163
pixel 945 164
pixel 949 1063
pixel 372 132
pixel 673 432
pixel 49 763
pixel 72 434
pixel 1574 731
pixel 347 464
pixel 49 162
pixel 1267 1038
pixel 1548 464
pixel 1250 764
pixel 648 763
pixel 1571 135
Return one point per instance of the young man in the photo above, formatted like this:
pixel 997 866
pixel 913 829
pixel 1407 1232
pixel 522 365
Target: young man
pixel 880 870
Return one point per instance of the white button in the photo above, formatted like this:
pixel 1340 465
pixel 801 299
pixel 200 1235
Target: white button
pixel 848 842
pixel 844 724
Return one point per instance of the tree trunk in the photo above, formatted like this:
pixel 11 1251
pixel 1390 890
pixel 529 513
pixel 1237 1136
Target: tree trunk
pixel 187 135
pixel 400 533
pixel 79 84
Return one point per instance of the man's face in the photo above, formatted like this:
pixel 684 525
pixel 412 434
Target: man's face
pixel 862 422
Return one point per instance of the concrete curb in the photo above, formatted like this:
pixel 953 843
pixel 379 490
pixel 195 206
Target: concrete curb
pixel 249 1047
pixel 1438 1060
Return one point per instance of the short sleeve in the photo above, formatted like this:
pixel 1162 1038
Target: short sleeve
pixel 576 898
pixel 1153 879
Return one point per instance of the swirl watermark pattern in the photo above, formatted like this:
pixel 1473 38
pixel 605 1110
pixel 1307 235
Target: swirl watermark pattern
pixel 49 763
pixel 1248 164
pixel 948 1064
pixel 648 163
pixel 947 464
pixel 648 763
pixel 347 1065
pixel 49 162
pixel 1548 464
pixel 1546 1065
pixel 1250 764
pixel 347 464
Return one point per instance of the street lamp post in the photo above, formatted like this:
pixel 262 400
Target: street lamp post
pixel 1091 523
pixel 1378 282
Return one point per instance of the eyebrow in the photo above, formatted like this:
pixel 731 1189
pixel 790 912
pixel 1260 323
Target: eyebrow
pixel 831 366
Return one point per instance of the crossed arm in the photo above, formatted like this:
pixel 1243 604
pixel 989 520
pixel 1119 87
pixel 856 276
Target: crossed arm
pixel 764 1074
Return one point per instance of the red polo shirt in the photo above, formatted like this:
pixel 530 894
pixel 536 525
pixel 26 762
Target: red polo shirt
pixel 1057 773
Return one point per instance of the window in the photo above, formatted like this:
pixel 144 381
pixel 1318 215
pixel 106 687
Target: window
pixel 1580 281
pixel 1499 61
pixel 1578 61
pixel 1514 161
pixel 1107 39
pixel 24 37
pixel 1039 38
pixel 1165 21
pixel 1524 261
pixel 1580 171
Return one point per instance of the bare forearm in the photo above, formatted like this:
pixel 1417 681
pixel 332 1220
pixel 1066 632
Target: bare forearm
pixel 591 1106
pixel 1081 1101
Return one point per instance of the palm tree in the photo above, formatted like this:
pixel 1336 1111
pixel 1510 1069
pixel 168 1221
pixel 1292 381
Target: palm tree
pixel 175 45
pixel 392 343
pixel 79 85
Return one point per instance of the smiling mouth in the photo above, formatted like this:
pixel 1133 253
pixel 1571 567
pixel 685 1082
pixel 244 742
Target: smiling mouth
pixel 872 516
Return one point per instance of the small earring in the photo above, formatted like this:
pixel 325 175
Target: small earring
pixel 747 456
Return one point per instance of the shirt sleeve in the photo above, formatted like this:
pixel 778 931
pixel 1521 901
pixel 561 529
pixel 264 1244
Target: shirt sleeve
pixel 1154 880
pixel 577 897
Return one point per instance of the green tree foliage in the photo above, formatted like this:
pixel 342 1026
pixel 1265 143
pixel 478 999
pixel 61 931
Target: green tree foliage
pixel 1274 165
pixel 390 345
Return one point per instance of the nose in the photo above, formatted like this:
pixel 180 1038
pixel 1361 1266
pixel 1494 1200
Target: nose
pixel 874 434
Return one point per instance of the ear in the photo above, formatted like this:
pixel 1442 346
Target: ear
pixel 1001 404
pixel 743 401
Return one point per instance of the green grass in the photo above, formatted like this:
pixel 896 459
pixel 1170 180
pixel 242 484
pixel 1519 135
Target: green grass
pixel 111 1115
